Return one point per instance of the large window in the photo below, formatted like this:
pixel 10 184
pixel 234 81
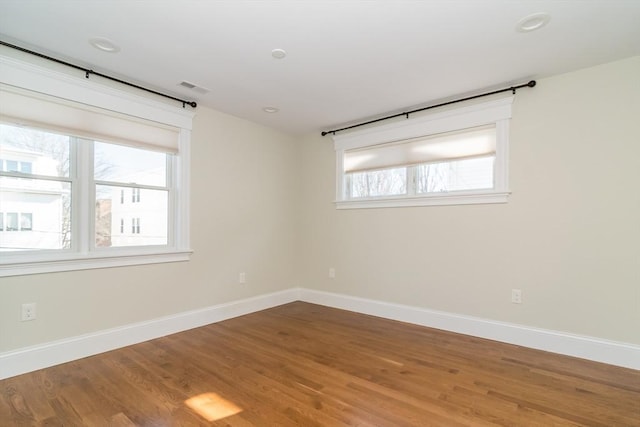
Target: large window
pixel 82 186
pixel 455 157
pixel 50 190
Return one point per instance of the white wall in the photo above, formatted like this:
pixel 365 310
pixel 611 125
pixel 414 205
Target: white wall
pixel 243 204
pixel 569 236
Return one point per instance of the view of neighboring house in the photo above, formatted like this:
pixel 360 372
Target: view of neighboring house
pixel 37 196
pixel 31 211
pixel 138 216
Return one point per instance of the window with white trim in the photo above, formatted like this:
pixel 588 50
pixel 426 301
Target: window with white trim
pixel 454 157
pixel 135 225
pixel 135 195
pixel 12 221
pixel 67 161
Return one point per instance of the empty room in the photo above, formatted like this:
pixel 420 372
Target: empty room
pixel 319 213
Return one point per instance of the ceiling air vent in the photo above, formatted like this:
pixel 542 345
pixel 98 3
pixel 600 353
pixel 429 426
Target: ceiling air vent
pixel 194 87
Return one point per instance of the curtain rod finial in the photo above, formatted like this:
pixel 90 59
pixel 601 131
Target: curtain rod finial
pixel 531 83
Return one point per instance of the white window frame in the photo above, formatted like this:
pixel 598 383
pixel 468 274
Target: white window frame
pixel 36 78
pixel 495 112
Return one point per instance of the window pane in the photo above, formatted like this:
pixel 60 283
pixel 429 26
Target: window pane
pixel 40 210
pixel 32 151
pixel 387 182
pixel 468 174
pixel 11 165
pixel 26 221
pixel 144 223
pixel 25 167
pixel 129 165
pixel 12 221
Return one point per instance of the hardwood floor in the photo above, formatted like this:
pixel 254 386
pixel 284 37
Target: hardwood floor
pixel 306 365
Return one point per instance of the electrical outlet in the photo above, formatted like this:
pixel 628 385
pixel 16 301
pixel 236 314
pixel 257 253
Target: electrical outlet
pixel 28 311
pixel 332 273
pixel 242 278
pixel 516 296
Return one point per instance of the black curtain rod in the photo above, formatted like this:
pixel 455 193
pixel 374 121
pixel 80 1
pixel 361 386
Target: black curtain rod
pixel 513 89
pixel 88 72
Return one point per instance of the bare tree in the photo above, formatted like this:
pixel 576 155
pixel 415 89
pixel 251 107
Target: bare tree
pixel 379 183
pixel 433 177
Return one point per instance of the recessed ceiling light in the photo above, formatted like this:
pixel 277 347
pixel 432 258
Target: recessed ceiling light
pixel 270 110
pixel 533 22
pixel 278 53
pixel 104 44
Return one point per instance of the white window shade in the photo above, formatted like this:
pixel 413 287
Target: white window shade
pixel 468 143
pixel 23 107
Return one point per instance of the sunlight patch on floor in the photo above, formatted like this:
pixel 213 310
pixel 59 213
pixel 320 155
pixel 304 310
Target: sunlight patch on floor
pixel 212 407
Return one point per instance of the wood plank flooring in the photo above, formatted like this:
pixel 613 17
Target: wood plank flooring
pixel 306 365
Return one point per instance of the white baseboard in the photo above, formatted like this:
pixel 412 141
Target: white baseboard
pixel 29 359
pixel 585 347
pixel 53 353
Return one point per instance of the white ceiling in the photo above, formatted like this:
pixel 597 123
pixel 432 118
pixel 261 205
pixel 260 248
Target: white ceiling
pixel 347 60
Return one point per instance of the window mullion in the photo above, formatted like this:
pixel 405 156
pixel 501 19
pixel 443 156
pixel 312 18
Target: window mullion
pixel 85 192
pixel 411 180
pixel 35 177
pixel 134 186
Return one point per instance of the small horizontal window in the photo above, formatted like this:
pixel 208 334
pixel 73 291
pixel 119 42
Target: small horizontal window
pixel 456 157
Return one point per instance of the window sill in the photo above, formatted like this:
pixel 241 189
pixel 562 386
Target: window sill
pixel 72 262
pixel 431 200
